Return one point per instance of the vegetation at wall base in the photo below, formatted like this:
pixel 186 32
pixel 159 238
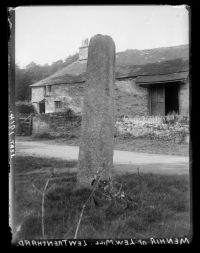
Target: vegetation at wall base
pixel 24 108
pixel 171 127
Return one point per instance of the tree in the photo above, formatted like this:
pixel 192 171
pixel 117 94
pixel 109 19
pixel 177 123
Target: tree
pixel 33 73
pixel 22 82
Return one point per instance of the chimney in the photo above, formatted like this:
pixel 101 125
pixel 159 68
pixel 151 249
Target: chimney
pixel 83 50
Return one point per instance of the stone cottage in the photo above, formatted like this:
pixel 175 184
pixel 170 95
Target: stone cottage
pixel 154 88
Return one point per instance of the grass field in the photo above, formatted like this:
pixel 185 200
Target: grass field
pixel 153 205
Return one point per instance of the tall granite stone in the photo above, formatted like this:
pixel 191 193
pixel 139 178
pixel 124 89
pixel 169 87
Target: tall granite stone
pixel 97 130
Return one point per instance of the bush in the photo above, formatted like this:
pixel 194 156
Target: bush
pixel 43 135
pixel 170 127
pixel 175 118
pixel 24 107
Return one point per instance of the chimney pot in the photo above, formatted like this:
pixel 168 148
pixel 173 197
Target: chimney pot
pixel 83 50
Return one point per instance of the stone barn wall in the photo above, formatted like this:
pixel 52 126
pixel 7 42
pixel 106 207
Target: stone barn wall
pixel 130 98
pixel 184 99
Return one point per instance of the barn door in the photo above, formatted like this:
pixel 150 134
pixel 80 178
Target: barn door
pixel 157 100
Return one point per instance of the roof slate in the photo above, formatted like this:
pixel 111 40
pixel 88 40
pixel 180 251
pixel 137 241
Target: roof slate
pixel 173 77
pixel 76 72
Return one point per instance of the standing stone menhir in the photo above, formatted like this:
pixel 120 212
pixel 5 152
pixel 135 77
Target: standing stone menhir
pixel 97 133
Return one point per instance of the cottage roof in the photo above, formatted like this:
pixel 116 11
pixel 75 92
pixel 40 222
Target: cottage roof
pixel 72 73
pixel 158 68
pixel 76 72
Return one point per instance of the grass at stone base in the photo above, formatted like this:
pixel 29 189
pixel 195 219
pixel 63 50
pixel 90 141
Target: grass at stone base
pixel 160 207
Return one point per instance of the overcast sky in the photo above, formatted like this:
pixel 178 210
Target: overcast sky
pixel 45 34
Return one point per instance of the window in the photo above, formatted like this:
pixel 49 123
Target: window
pixel 58 104
pixel 47 90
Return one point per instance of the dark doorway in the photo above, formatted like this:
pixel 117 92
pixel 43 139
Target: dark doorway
pixel 171 99
pixel 42 107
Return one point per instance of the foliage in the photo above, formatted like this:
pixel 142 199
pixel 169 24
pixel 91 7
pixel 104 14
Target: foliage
pixel 24 107
pixel 33 72
pixel 173 118
pixel 155 127
pixel 43 135
pixel 22 82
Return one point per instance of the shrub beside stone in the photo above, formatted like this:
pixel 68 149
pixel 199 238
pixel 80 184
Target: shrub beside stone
pixel 154 127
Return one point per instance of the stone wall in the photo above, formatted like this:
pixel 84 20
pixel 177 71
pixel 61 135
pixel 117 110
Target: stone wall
pixel 62 93
pixel 70 95
pixel 184 99
pixel 63 124
pixel 130 99
pixel 37 94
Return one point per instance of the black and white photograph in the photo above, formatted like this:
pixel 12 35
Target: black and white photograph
pixel 99 133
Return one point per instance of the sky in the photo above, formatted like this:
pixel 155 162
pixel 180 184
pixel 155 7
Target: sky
pixel 45 34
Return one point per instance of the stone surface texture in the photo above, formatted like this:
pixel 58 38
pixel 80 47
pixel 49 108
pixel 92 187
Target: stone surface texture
pixel 59 124
pixel 97 131
pixel 184 99
pixel 130 98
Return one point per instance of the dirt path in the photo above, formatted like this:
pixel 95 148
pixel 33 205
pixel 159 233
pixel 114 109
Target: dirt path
pixel 166 164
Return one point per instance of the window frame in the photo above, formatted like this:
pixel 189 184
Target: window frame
pixel 47 90
pixel 56 103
